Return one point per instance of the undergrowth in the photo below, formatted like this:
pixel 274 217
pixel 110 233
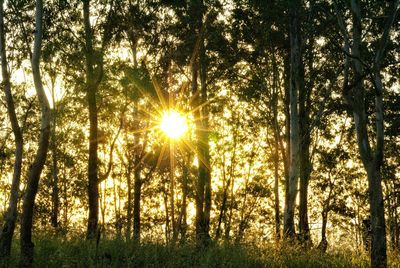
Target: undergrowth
pixel 53 252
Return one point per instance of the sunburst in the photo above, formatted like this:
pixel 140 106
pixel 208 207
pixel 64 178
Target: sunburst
pixel 173 124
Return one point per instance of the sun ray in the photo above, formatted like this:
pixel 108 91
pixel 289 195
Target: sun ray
pixel 161 155
pixel 198 107
pixel 147 111
pixel 142 130
pixel 147 95
pixel 199 156
pixel 159 93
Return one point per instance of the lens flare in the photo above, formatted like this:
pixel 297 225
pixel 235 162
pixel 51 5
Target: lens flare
pixel 173 124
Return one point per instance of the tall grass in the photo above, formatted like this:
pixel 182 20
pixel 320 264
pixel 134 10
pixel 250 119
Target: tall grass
pixel 54 252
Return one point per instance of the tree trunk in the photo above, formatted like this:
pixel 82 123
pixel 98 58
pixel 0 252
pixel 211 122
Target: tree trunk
pixel 65 195
pixel 206 168
pixel 136 203
pixel 40 158
pixel 203 187
pixel 371 159
pixel 167 228
pixel 323 245
pixel 276 193
pixel 277 137
pixel 222 210
pixel 54 194
pixel 228 222
pixel 91 88
pixel 305 164
pixel 129 206
pixel 8 227
pixel 295 87
pixel 305 129
pixel 172 191
pixel 227 182
pixel 305 171
pixel 378 226
pixel 185 190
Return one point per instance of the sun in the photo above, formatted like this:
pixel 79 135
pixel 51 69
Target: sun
pixel 173 124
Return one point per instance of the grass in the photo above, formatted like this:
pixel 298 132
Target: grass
pixel 53 252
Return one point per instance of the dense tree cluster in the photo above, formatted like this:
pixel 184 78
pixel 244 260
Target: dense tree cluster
pixel 293 111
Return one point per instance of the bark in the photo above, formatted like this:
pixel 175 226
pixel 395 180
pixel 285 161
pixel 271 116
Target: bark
pixel 172 191
pixel 182 221
pixel 65 194
pixel 323 245
pixel 55 192
pixel 91 89
pixel 396 231
pixel 40 158
pixel 205 144
pixel 8 227
pixel 277 138
pixel 129 206
pixel 305 160
pixel 295 87
pixel 117 209
pixel 355 97
pixel 305 171
pixel 136 203
pixel 167 227
pixel 378 226
pixel 203 185
pixel 222 210
pixel 305 128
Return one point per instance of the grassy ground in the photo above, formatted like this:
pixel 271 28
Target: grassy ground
pixel 79 253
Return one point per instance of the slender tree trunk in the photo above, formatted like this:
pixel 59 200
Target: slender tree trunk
pixel 285 150
pixel 205 144
pixel 8 227
pixel 167 228
pixel 295 87
pixel 305 163
pixel 65 193
pixel 55 192
pixel 305 171
pixel 396 231
pixel 222 210
pixel 183 213
pixel 276 193
pixel 91 89
pixel 172 191
pixel 40 158
pixel 323 245
pixel 129 206
pixel 136 203
pixel 305 136
pixel 274 107
pixel 227 182
pixel 203 187
pixel 228 223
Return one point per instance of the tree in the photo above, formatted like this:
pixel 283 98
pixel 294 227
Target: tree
pixel 35 171
pixel 92 83
pixel 7 230
pixel 94 74
pixel 296 87
pixel 355 95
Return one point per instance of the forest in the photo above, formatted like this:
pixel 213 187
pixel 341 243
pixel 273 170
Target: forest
pixel 200 133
